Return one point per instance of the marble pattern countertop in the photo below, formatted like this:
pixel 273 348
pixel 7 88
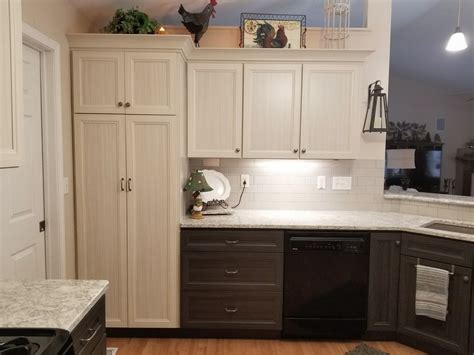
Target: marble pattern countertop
pixel 455 200
pixel 47 303
pixel 344 220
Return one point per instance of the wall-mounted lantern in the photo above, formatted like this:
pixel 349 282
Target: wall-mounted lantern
pixel 376 117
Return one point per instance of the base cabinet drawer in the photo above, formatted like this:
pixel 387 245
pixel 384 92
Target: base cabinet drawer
pixel 231 271
pixel 231 310
pixel 88 335
pixel 435 336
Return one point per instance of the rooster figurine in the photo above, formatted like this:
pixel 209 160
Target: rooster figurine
pixel 267 38
pixel 197 23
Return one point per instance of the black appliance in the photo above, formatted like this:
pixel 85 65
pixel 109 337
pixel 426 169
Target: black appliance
pixel 23 341
pixel 326 284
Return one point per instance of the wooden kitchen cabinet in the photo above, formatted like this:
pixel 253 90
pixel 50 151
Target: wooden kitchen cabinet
pixel 215 110
pixel 383 282
pixel 124 82
pixel 272 103
pixel 330 116
pixel 89 337
pixel 434 336
pixel 11 84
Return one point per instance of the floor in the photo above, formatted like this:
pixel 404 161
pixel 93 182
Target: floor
pixel 136 346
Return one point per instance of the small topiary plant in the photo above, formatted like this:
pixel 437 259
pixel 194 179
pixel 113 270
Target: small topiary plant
pixel 131 21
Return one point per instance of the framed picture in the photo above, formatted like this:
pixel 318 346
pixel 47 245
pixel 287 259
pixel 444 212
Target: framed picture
pixel 272 31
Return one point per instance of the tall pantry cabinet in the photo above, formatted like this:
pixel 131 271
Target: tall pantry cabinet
pixel 127 117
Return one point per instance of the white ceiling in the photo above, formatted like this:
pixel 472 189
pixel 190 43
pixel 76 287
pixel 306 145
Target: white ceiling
pixel 420 29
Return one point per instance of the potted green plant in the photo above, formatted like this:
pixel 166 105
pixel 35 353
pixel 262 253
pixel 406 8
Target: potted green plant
pixel 131 21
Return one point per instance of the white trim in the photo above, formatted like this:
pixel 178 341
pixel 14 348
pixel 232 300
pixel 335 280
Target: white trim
pixel 52 149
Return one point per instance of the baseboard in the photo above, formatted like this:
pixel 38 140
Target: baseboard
pixel 192 333
pixel 424 346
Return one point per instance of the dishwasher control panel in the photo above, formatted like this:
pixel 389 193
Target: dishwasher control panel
pixel 352 245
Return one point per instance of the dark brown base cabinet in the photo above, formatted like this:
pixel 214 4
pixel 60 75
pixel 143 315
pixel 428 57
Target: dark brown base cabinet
pixel 383 282
pixel 231 279
pixel 434 336
pixel 89 336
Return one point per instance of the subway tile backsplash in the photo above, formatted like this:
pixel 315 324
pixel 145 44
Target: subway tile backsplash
pixel 287 184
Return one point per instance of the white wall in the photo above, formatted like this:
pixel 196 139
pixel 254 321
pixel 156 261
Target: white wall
pixel 415 101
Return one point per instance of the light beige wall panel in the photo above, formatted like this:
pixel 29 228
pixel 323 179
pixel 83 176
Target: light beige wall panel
pixel 101 207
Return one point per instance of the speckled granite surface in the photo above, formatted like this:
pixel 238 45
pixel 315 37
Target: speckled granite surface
pixel 454 200
pixel 47 303
pixel 347 220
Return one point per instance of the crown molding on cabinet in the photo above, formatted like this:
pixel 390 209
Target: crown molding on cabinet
pixel 184 44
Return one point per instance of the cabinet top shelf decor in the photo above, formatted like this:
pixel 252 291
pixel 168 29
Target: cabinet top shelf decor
pixel 184 44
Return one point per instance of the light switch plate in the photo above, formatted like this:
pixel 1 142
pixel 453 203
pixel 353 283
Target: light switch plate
pixel 246 178
pixel 321 183
pixel 342 183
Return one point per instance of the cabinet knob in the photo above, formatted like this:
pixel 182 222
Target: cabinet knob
pixel 295 151
pixel 303 150
pixel 127 104
pixel 237 150
pixel 120 104
pixel 465 279
pixel 397 243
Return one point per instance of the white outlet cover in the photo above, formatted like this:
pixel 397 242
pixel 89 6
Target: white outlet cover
pixel 342 183
pixel 321 183
pixel 244 177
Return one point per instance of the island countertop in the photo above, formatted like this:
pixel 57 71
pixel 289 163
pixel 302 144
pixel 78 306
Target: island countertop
pixel 327 220
pixel 47 303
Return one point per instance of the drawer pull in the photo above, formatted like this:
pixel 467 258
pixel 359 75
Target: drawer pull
pixel 465 279
pixel 231 272
pixel 232 242
pixel 231 310
pixel 94 332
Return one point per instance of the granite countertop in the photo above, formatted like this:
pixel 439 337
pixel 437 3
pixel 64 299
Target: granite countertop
pixel 47 303
pixel 344 220
pixel 455 200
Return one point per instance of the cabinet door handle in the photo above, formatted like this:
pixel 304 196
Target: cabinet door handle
pixel 232 242
pixel 303 150
pixel 465 279
pixel 231 272
pixel 231 310
pixel 122 184
pixel 127 104
pixel 129 184
pixel 397 243
pixel 94 332
pixel 295 150
pixel 120 104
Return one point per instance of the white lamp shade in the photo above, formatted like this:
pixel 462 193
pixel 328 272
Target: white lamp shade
pixel 457 41
pixel 401 159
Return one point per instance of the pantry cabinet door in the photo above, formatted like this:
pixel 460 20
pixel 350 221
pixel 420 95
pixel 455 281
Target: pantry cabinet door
pixel 331 124
pixel 99 85
pixel 151 83
pixel 101 207
pixel 11 84
pixel 214 110
pixel 152 228
pixel 272 97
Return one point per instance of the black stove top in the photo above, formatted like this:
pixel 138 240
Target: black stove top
pixel 23 341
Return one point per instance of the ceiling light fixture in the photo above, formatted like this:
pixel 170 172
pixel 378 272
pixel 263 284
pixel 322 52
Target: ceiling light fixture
pixel 457 41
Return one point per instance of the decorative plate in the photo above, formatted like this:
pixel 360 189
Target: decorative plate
pixel 219 183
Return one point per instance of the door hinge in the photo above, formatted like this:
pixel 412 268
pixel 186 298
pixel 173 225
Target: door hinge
pixel 42 226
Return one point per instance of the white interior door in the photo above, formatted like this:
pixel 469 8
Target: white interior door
pixel 22 248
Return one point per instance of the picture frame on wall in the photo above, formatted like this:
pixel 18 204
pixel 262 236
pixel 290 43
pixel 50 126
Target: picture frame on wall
pixel 272 31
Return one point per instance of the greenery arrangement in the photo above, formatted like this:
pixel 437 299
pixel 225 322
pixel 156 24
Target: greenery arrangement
pixel 131 21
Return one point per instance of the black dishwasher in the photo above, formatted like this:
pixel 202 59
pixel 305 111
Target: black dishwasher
pixel 326 284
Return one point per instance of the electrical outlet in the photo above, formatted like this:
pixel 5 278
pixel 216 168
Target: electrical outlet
pixel 342 183
pixel 244 178
pixel 321 183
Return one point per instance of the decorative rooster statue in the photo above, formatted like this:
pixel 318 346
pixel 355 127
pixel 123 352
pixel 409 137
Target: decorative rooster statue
pixel 266 37
pixel 198 23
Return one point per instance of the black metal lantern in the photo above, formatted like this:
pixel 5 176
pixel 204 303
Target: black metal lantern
pixel 376 117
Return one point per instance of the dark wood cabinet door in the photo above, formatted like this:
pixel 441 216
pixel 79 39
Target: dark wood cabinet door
pixel 446 337
pixel 383 281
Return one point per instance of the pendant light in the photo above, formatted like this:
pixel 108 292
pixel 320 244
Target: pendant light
pixel 457 41
pixel 376 117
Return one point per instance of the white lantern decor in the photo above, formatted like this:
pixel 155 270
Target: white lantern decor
pixel 337 15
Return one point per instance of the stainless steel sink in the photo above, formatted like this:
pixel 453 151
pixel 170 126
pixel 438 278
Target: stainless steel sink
pixel 450 227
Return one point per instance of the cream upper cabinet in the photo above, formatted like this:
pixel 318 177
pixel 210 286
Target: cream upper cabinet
pixel 101 207
pixel 215 110
pixel 99 85
pixel 152 243
pixel 151 82
pixel 125 82
pixel 11 84
pixel 272 101
pixel 330 118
